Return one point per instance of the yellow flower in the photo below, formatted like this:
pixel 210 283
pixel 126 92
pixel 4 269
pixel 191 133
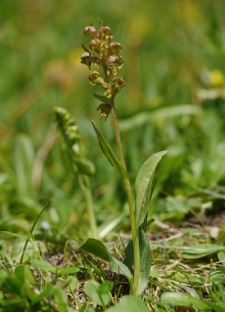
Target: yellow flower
pixel 216 78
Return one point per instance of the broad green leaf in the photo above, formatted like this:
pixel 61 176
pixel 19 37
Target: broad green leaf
pixel 23 273
pixel 129 303
pixel 91 289
pixel 98 249
pixel 143 186
pixel 129 252
pixel 184 300
pixel 69 270
pixel 105 287
pixel 60 298
pixel 120 268
pixel 145 261
pixel 200 250
pixel 43 265
pixel 104 99
pixel 108 152
pixel 221 256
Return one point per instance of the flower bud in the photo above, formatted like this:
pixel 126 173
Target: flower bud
pixel 113 62
pixel 90 31
pixel 95 79
pixel 105 31
pixel 114 48
pixel 104 110
pixel 118 85
pixel 86 59
pixel 95 45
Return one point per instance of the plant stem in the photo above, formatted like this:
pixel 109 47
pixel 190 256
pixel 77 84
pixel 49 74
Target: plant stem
pixel 126 181
pixel 84 184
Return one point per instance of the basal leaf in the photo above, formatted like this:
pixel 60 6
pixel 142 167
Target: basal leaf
pixel 108 152
pixel 200 250
pixel 120 268
pixel 42 265
pixel 143 186
pixel 68 270
pixel 129 252
pixel 91 289
pixel 60 298
pixel 184 300
pixel 129 303
pixel 145 261
pixel 97 248
pixel 105 287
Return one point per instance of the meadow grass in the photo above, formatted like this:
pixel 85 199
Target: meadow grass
pixel 174 100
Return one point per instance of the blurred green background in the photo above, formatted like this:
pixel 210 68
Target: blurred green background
pixel 174 53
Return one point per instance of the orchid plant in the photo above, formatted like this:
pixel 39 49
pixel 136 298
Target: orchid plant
pixel 103 59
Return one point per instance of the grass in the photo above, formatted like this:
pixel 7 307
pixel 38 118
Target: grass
pixel 174 100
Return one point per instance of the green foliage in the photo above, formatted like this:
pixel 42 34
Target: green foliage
pixel 185 300
pixel 97 248
pixel 144 187
pixel 108 152
pixel 70 133
pixel 200 250
pixel 82 167
pixel 133 304
pixel 23 289
pixel 174 100
pixel 99 293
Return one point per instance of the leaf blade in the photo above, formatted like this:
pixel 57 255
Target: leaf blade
pixel 43 265
pixel 183 299
pixel 102 98
pixel 98 249
pixel 129 303
pixel 108 152
pixel 145 261
pixel 143 185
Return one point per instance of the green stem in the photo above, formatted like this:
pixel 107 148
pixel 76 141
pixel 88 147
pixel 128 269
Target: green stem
pixel 84 184
pixel 126 181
